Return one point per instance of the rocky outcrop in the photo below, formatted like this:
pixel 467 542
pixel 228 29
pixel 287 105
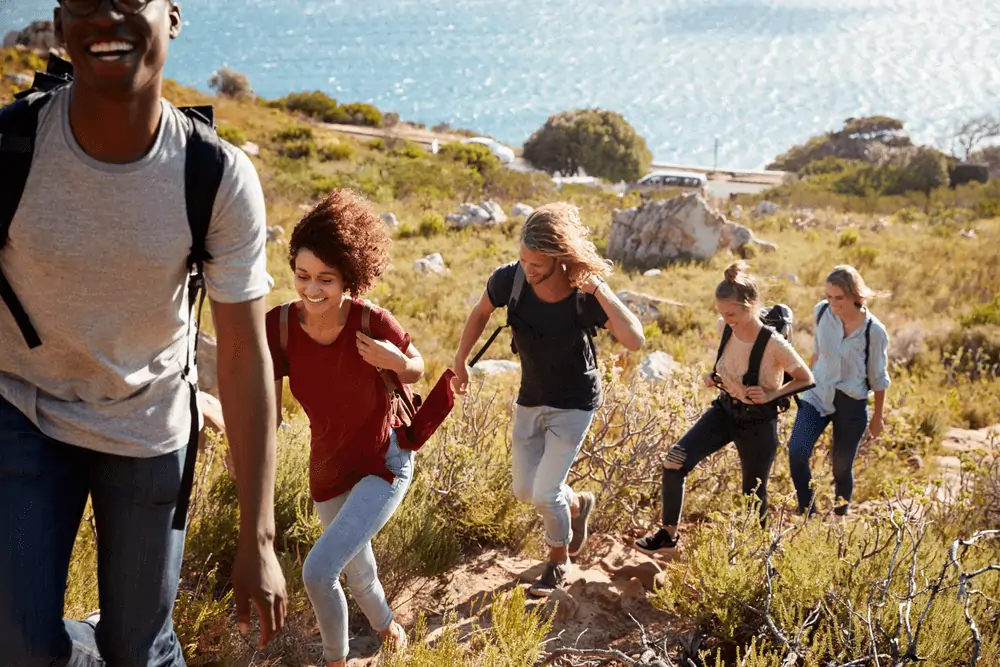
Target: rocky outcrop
pixel 39 36
pixel 486 213
pixel 660 230
pixel 431 264
pixel 657 366
pixel 521 211
pixel 390 220
pixel 765 208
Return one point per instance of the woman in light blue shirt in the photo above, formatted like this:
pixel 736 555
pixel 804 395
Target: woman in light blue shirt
pixel 849 361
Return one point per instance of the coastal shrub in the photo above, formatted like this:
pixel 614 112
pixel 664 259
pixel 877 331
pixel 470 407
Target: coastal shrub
pixel 232 134
pixel 600 142
pixel 315 104
pixel 296 142
pixel 336 151
pixel 848 238
pixel 854 141
pixel 407 149
pixel 358 113
pixel 229 83
pixel 475 156
pixel 838 594
pixel 431 224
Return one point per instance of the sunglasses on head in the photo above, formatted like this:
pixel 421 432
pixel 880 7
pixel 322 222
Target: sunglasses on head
pixel 88 7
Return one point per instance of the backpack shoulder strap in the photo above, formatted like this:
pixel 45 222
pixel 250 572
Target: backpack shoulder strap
pixel 515 291
pixel 366 319
pixel 752 376
pixel 822 311
pixel 283 333
pixel 18 129
pixel 868 342
pixel 727 333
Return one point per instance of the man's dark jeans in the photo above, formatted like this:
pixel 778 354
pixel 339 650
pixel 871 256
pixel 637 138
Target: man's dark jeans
pixel 43 491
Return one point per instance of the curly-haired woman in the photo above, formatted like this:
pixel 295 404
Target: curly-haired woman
pixel 358 474
pixel 556 299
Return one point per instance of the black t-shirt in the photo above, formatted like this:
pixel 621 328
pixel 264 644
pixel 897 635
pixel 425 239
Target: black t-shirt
pixel 558 364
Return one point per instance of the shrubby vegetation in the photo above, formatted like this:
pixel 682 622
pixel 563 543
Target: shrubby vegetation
pixel 320 106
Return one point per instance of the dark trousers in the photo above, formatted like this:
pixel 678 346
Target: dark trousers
pixel 756 442
pixel 44 486
pixel 850 419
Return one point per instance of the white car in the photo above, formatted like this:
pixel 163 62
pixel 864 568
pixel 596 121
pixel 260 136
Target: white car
pixel 503 153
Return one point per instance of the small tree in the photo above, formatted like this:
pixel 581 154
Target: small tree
pixel 974 132
pixel 600 142
pixel 230 83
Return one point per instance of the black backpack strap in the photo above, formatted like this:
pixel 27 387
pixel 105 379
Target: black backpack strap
pixel 822 311
pixel 18 129
pixel 868 342
pixel 752 376
pixel 515 297
pixel 204 164
pixel 727 333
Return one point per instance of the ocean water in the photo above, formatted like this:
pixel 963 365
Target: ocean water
pixel 756 76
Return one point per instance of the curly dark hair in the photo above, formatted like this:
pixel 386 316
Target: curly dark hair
pixel 344 232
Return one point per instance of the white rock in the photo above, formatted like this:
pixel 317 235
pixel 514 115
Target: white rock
pixel 432 263
pixel 251 149
pixel 738 212
pixel 657 366
pixel 496 367
pixel 487 213
pixel 390 220
pixel 765 208
pixel 521 211
pixel 660 230
pixel 968 233
pixel 653 273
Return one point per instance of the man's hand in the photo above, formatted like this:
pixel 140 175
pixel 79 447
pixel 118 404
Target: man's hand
pixel 591 284
pixel 460 383
pixel 257 578
pixel 757 395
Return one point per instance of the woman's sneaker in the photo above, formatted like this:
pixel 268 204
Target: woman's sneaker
pixel 552 578
pixel 579 523
pixel 659 542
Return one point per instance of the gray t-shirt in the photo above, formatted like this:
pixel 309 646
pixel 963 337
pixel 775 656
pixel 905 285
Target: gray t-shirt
pixel 97 256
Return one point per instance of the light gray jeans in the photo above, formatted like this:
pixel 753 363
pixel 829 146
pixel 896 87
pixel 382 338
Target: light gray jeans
pixel 545 444
pixel 350 521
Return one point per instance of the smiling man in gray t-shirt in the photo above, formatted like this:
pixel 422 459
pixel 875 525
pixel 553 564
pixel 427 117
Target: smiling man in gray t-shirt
pixel 97 256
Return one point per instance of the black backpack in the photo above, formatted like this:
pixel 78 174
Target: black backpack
pixel 203 170
pixel 776 319
pixel 515 298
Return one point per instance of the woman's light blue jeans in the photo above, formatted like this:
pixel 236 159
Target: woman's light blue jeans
pixel 350 521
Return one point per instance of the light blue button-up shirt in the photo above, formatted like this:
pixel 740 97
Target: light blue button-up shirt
pixel 841 360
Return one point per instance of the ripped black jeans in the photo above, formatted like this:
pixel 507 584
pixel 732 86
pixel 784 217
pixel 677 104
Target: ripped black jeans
pixel 753 430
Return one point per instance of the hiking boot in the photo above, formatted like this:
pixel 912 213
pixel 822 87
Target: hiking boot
pixel 579 523
pixel 554 577
pixel 658 543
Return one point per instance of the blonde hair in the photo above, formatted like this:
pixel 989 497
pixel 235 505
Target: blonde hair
pixel 847 278
pixel 738 286
pixel 556 230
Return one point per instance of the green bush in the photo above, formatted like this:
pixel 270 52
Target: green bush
pixel 475 156
pixel 984 314
pixel 232 134
pixel 600 142
pixel 360 114
pixel 988 208
pixel 407 149
pixel 336 152
pixel 848 238
pixel 431 224
pixel 315 104
pixel 293 133
pixel 377 144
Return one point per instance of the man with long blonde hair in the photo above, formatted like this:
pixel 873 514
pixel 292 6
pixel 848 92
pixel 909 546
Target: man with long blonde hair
pixel 556 298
